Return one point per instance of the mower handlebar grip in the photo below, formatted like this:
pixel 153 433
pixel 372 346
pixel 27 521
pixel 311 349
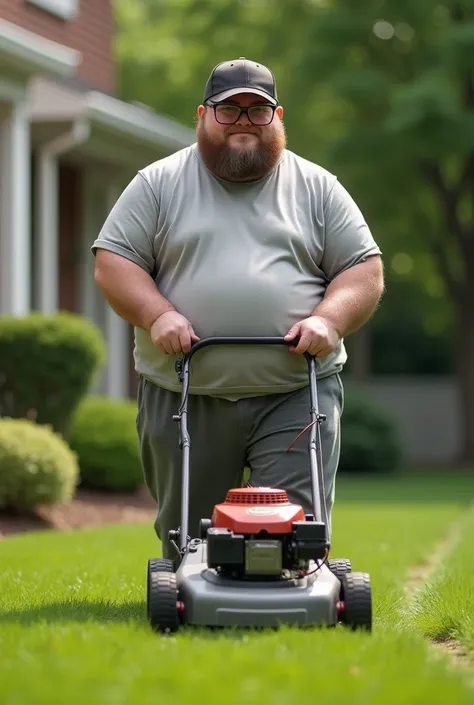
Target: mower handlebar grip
pixel 239 340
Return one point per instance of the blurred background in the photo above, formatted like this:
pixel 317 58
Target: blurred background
pixel 379 92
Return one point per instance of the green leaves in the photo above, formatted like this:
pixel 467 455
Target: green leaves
pixel 372 90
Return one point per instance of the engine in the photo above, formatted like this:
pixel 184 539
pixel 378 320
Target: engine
pixel 258 533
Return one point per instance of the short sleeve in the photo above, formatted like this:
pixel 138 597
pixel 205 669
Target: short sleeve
pixel 348 239
pixel 131 225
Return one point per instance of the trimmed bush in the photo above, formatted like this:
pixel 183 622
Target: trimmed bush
pixel 104 436
pixel 36 466
pixel 369 437
pixel 47 365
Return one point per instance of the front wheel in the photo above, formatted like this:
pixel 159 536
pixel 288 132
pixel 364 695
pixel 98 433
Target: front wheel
pixel 356 598
pixel 162 601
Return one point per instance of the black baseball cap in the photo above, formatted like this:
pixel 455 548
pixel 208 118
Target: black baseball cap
pixel 240 76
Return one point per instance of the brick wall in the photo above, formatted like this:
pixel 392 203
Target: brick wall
pixel 91 33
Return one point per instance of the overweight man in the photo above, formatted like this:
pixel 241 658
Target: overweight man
pixel 236 235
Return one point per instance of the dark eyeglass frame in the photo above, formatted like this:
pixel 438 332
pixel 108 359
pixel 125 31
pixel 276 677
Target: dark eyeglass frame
pixel 243 110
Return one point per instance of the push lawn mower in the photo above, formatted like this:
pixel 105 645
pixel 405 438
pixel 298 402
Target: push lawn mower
pixel 260 561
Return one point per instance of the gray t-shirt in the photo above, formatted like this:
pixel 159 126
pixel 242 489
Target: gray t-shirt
pixel 237 259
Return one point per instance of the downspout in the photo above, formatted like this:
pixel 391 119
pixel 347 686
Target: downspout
pixel 47 245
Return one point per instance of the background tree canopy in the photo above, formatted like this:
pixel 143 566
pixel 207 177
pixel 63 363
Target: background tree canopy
pixel 380 92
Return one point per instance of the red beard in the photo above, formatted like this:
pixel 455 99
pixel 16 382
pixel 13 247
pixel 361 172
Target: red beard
pixel 240 164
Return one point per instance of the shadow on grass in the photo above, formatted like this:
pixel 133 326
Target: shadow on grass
pixel 84 612
pixel 77 611
pixel 135 612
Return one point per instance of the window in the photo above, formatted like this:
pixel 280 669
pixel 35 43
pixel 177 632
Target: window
pixel 66 9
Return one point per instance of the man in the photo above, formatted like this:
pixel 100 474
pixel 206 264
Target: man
pixel 237 235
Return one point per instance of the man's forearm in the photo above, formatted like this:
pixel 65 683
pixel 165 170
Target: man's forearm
pixel 353 296
pixel 129 290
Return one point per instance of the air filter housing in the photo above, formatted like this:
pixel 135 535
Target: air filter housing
pixel 256 496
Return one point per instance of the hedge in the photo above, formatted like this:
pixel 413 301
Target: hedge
pixel 369 437
pixel 47 364
pixel 36 466
pixel 104 436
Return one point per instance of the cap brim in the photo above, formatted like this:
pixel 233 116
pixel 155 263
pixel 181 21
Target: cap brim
pixel 235 91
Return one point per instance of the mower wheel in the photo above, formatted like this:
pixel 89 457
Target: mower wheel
pixel 339 567
pixel 163 565
pixel 356 594
pixel 162 597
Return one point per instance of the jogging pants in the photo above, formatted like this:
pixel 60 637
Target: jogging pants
pixel 228 436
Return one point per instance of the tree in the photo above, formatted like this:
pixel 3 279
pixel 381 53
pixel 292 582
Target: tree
pixel 405 73
pixel 380 91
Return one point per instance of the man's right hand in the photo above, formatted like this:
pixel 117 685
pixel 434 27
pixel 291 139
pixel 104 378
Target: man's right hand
pixel 173 333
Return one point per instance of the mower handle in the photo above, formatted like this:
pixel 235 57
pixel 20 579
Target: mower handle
pixel 240 340
pixel 317 480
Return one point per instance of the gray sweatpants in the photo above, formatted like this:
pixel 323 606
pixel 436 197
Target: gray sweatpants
pixel 227 436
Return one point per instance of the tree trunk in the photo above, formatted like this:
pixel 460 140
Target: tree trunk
pixel 464 361
pixel 358 347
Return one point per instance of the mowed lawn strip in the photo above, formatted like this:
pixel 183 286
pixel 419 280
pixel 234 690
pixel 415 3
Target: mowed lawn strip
pixel 389 526
pixel 444 606
pixel 72 619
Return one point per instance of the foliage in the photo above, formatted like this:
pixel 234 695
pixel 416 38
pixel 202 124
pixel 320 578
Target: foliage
pixel 381 93
pixel 47 364
pixel 322 124
pixel 105 439
pixel 36 466
pixel 369 437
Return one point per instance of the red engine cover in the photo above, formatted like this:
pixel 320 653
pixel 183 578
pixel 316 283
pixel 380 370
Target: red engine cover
pixel 248 510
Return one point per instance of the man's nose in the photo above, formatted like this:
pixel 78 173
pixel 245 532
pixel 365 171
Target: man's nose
pixel 243 119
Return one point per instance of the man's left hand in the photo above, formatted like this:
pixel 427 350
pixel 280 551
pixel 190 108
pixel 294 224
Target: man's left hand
pixel 317 336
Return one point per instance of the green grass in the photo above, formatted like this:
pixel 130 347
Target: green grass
pixel 444 607
pixel 73 627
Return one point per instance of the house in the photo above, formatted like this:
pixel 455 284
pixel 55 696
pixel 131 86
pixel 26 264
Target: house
pixel 68 146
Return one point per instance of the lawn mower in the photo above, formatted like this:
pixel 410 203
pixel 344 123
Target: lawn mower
pixel 260 560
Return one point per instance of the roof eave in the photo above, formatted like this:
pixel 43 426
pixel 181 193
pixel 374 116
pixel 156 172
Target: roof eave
pixel 31 53
pixel 137 122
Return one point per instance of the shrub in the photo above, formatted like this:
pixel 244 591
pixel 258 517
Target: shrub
pixel 36 466
pixel 104 436
pixel 369 437
pixel 47 365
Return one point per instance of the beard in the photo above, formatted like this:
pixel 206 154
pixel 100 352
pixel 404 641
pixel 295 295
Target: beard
pixel 240 163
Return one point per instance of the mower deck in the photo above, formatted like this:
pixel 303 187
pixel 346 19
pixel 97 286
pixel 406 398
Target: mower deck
pixel 211 600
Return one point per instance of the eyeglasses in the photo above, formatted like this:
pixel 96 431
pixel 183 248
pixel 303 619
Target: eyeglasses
pixel 228 114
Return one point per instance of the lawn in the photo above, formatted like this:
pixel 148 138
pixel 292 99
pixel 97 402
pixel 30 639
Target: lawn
pixel 73 627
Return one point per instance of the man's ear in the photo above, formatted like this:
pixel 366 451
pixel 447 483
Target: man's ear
pixel 279 111
pixel 200 110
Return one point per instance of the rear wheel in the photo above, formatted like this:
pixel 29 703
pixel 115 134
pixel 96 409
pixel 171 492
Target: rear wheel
pixel 162 599
pixel 356 596
pixel 161 564
pixel 339 566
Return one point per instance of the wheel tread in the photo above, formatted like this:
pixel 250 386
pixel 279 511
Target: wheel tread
pixel 339 566
pixel 163 565
pixel 162 598
pixel 356 594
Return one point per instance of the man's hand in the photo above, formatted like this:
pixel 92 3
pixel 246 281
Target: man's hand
pixel 317 336
pixel 173 333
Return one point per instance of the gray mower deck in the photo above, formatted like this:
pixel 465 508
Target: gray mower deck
pixel 214 601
